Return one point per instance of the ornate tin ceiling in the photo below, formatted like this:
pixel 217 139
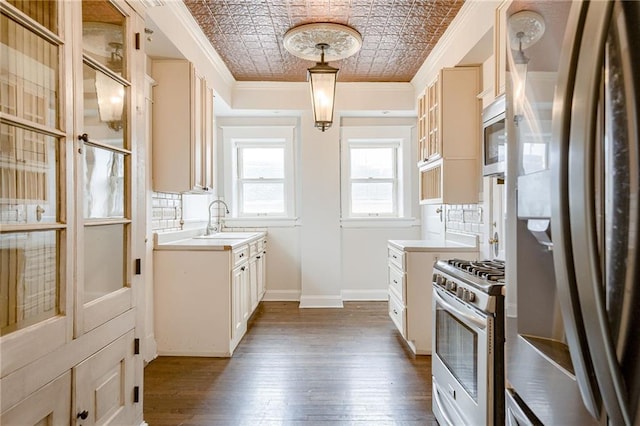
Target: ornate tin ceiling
pixel 397 35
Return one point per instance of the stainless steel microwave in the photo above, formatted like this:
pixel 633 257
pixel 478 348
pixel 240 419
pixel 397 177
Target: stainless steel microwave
pixel 494 138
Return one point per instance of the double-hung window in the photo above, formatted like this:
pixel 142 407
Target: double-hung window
pixel 375 180
pixel 260 179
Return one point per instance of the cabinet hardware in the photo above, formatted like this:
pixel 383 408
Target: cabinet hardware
pixel 395 257
pixel 243 268
pixel 258 257
pixel 137 41
pixel 395 312
pixel 241 254
pixel 83 415
pixel 83 137
pixel 395 281
pixel 136 394
pixel 138 266
pixel 136 346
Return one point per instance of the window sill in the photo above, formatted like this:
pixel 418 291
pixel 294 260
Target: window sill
pixel 261 222
pixel 381 222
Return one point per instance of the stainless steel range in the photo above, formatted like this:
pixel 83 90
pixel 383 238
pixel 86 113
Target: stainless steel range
pixel 468 342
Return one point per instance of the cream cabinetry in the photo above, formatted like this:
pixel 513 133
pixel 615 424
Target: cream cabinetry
pixel 204 296
pixel 183 128
pixel 409 272
pixel 500 32
pixel 72 139
pixel 449 152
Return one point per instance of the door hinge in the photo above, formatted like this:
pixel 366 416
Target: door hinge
pixel 138 266
pixel 137 41
pixel 136 346
pixel 136 394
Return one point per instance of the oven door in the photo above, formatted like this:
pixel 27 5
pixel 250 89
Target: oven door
pixel 461 362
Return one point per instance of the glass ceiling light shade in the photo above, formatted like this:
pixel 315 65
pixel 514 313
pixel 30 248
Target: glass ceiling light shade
pixel 525 29
pixel 334 42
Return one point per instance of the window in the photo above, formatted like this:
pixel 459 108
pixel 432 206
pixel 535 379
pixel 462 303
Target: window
pixel 260 179
pixel 373 179
pixel 375 182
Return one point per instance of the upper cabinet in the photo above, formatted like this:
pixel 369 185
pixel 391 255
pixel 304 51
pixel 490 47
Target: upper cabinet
pixel 183 128
pixel 450 137
pixel 500 46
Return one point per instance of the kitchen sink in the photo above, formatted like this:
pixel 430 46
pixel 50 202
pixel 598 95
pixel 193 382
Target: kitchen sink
pixel 229 235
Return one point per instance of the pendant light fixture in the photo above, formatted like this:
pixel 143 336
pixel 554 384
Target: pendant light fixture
pixel 332 42
pixel 525 29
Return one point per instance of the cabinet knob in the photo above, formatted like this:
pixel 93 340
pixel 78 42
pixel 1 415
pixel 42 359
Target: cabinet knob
pixel 243 268
pixel 84 138
pixel 83 415
pixel 258 257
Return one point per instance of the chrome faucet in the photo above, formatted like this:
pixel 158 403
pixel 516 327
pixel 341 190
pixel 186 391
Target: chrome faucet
pixel 217 227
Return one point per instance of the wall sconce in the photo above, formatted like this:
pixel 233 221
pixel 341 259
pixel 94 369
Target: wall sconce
pixel 525 29
pixel 336 42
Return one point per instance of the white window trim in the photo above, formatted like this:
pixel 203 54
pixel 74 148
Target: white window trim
pixel 249 136
pixel 378 136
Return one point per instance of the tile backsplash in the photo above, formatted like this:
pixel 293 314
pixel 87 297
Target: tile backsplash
pixel 467 218
pixel 166 212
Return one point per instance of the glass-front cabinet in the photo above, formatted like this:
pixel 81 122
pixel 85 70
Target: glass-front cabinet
pixel 69 76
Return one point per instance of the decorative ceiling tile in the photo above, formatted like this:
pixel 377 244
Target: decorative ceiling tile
pixel 398 35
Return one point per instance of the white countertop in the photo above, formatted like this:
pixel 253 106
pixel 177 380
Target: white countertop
pixel 189 240
pixel 452 242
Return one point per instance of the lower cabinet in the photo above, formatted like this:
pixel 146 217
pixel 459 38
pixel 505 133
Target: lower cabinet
pixel 409 275
pixel 204 298
pixel 99 390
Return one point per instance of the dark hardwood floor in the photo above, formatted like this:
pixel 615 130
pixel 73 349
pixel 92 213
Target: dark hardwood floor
pixel 298 367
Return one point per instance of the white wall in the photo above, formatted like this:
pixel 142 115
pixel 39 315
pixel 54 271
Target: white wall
pixel 316 256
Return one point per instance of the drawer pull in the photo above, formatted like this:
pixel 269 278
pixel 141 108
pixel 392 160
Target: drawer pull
pixel 395 312
pixel 395 281
pixel 241 254
pixel 243 268
pixel 395 257
pixel 258 257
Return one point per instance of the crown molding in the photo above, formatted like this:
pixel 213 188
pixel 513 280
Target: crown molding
pixel 189 23
pixel 467 17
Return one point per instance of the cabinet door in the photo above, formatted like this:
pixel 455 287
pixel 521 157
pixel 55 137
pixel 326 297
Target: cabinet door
pixel 262 274
pixel 51 405
pixel 253 282
pixel 433 143
pixel 208 150
pixel 238 323
pixel 105 182
pixel 197 126
pixel 104 385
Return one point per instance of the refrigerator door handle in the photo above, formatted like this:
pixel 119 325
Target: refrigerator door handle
pixel 583 143
pixel 560 225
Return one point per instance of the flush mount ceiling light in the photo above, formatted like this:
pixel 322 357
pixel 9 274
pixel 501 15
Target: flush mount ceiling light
pixel 525 29
pixel 330 42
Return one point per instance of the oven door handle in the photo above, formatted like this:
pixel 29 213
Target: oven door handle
pixel 452 309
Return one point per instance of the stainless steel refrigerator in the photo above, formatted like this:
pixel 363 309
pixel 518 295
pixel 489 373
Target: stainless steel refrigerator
pixel 573 176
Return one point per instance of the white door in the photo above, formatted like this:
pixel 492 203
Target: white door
pixel 104 393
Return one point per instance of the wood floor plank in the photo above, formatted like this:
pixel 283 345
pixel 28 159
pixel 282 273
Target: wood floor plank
pixel 298 367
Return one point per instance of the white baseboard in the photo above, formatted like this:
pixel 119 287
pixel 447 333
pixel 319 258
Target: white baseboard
pixel 365 295
pixel 321 302
pixel 282 296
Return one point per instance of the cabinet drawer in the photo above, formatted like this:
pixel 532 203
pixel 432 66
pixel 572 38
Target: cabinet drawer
pixel 397 283
pixel 240 255
pixel 253 249
pixel 396 257
pixel 398 315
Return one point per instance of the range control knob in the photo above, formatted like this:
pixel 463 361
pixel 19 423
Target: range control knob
pixel 469 296
pixel 451 286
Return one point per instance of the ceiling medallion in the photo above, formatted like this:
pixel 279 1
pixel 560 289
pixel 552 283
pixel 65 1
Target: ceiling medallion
pixel 342 41
pixel 525 29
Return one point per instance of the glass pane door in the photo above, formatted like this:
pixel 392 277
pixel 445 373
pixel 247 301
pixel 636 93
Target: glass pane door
pixel 104 165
